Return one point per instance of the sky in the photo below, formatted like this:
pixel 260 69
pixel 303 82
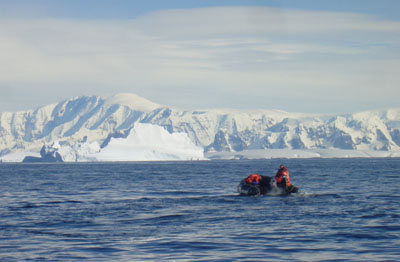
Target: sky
pixel 311 56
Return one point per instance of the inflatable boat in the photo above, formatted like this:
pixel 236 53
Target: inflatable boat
pixel 266 186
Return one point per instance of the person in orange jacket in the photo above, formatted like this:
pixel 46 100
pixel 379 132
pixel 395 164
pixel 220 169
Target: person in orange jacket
pixel 253 179
pixel 262 182
pixel 281 176
pixel 282 172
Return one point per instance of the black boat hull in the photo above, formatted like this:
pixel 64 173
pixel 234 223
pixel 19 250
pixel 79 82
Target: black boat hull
pixel 266 186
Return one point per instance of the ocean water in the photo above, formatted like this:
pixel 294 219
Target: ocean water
pixel 348 210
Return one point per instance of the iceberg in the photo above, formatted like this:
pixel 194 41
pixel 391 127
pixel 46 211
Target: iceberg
pixel 80 152
pixel 48 154
pixel 147 142
pixel 18 156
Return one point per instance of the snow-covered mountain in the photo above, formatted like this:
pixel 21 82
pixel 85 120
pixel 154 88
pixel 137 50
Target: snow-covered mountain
pixel 95 119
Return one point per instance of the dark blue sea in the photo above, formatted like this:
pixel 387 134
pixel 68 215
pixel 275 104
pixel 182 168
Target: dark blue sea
pixel 348 210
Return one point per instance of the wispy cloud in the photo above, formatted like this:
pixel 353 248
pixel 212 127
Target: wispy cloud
pixel 186 54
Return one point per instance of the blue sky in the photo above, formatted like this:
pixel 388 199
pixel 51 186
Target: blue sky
pixel 106 9
pixel 305 56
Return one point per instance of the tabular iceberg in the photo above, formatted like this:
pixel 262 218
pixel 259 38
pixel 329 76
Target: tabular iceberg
pixel 150 142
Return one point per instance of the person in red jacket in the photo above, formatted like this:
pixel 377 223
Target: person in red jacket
pixel 263 183
pixel 253 179
pixel 282 172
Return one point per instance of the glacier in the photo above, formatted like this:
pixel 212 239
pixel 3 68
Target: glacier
pixel 88 128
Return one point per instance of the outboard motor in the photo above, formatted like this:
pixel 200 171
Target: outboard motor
pixel 288 189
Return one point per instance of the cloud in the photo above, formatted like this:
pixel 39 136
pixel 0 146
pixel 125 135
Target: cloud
pixel 224 21
pixel 179 57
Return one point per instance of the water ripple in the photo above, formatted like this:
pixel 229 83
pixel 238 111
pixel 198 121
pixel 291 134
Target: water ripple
pixel 108 212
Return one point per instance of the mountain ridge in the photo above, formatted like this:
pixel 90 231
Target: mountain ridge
pixel 95 118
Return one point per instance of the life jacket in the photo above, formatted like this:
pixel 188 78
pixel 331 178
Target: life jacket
pixel 281 173
pixel 253 179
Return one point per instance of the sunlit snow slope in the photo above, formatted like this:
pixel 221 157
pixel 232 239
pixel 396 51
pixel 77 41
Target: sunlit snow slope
pixel 94 119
